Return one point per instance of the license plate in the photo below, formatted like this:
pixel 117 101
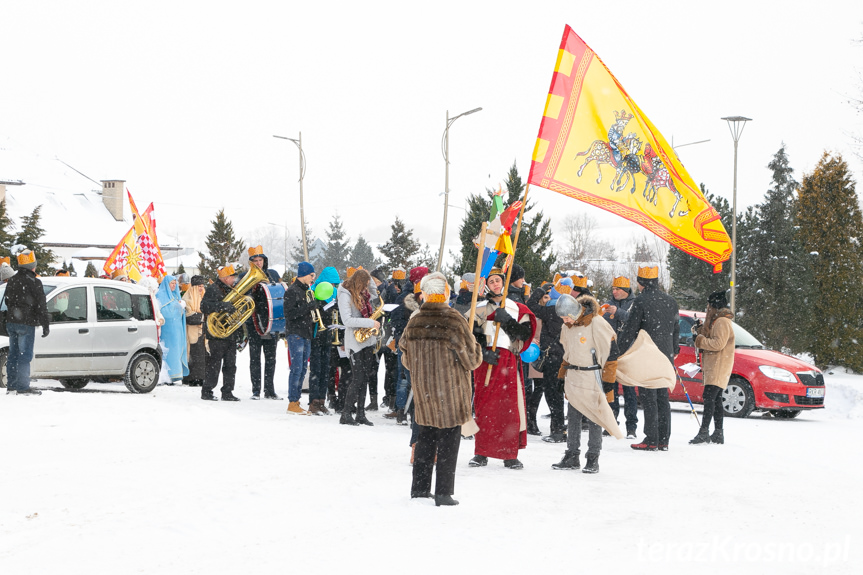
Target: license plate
pixel 815 392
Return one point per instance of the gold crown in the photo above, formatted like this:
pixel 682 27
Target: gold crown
pixel 352 270
pixel 620 282
pixel 562 288
pixel 256 251
pixel 496 271
pixel 557 277
pixel 579 282
pixel 62 273
pixel 399 274
pixel 648 273
pixel 6 260
pixel 120 273
pixel 226 271
pixel 27 257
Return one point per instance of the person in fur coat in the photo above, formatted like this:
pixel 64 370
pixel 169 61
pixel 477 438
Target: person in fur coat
pixel 440 352
pixel 715 339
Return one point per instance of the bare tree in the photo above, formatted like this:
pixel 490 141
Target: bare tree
pixel 578 230
pixel 275 241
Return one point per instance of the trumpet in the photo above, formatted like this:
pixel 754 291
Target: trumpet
pixel 316 313
pixel 336 341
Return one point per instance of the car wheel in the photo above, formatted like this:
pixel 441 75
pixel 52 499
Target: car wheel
pixel 3 355
pixel 785 414
pixel 738 399
pixel 142 375
pixel 76 383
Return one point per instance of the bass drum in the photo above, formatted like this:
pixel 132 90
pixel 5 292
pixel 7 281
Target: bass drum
pixel 269 316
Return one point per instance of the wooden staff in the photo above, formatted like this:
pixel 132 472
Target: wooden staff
pixel 508 275
pixel 476 278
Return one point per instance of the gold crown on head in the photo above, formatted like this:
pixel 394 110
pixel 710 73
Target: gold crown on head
pixel 6 260
pixel 352 270
pixel 648 272
pixel 256 251
pixel 226 271
pixel 580 282
pixel 399 274
pixel 27 257
pixel 562 288
pixel 620 282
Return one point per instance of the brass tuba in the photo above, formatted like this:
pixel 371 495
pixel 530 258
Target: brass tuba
pixel 364 333
pixel 222 324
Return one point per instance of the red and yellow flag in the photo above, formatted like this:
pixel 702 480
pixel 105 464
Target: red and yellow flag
pixel 138 253
pixel 597 146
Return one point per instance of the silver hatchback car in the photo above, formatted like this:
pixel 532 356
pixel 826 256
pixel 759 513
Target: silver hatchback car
pixel 100 329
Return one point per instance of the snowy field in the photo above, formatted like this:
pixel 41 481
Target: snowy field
pixel 112 483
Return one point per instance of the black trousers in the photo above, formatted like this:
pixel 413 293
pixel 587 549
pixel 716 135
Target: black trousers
pixel 372 380
pixel 657 415
pixel 391 369
pixel 712 408
pixel 362 365
pixel 553 389
pixel 444 443
pixel 534 394
pixel 268 345
pixel 222 358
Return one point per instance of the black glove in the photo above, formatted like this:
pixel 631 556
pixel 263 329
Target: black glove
pixel 489 356
pixel 195 319
pixel 478 329
pixel 502 317
pixel 227 307
pixel 45 331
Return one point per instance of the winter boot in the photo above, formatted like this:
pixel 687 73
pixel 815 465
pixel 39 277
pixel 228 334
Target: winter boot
pixel 702 437
pixel 513 464
pixel 294 407
pixel 644 446
pixel 478 461
pixel 569 461
pixel 717 437
pixel 592 465
pixel 315 406
pixel 373 403
pixel 401 417
pixel 444 500
pixel 346 418
pixel 555 437
pixel 386 401
pixel 533 428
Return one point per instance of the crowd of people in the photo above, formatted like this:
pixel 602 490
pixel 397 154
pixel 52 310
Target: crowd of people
pixel 453 359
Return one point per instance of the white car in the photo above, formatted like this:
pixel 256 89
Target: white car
pixel 99 329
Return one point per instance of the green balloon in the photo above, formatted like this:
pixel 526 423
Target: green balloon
pixel 324 291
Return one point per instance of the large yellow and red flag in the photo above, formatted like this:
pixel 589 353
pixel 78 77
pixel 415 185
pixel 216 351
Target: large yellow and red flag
pixel 138 253
pixel 597 146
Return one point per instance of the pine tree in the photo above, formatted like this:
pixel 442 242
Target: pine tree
pixel 830 226
pixel 180 270
pixel 362 255
pixel 91 271
pixel 401 249
pixel 296 253
pixel 338 253
pixel 775 274
pixel 534 250
pixel 7 235
pixel 29 236
pixel 223 247
pixel 425 257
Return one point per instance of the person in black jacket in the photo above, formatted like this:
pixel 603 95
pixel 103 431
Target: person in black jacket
pixel 656 313
pixel 266 343
pixel 26 308
pixel 298 306
pixel 221 352
pixel 616 314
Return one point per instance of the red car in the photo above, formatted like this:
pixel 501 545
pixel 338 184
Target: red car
pixel 762 379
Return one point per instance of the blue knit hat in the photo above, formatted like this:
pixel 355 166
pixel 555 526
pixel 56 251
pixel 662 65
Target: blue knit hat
pixel 304 269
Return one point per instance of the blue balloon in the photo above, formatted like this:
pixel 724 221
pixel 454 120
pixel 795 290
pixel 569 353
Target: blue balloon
pixel 531 354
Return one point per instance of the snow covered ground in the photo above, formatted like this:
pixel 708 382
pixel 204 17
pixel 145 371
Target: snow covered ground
pixel 118 483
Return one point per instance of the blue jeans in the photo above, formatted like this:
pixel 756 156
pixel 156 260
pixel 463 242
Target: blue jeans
pixel 299 350
pixel 21 339
pixel 403 382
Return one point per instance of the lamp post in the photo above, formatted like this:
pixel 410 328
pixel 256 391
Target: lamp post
pixel 299 143
pixel 445 150
pixel 735 126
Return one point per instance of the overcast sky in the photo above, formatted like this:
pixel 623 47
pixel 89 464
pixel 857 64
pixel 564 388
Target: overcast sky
pixel 181 99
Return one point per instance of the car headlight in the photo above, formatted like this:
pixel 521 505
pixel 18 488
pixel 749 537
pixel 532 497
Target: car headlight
pixel 777 373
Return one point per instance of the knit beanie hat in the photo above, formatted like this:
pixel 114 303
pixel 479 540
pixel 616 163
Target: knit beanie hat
pixel 304 269
pixel 517 273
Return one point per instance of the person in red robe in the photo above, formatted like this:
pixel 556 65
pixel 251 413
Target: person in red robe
pixel 500 404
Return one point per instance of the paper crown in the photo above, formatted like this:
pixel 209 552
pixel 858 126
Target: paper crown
pixel 580 282
pixel 256 251
pixel 185 287
pixel 563 286
pixel 6 260
pixel 620 282
pixel 226 271
pixel 120 273
pixel 352 270
pixel 62 273
pixel 648 273
pixel 27 257
pixel 399 274
pixel 496 271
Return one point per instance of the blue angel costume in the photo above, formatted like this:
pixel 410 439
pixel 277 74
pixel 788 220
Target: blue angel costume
pixel 173 333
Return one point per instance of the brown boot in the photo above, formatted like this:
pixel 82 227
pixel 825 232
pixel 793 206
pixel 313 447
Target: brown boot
pixel 315 407
pixel 322 407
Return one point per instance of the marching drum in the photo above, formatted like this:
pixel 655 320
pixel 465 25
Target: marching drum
pixel 269 313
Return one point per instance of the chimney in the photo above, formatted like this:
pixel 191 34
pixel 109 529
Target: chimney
pixel 112 197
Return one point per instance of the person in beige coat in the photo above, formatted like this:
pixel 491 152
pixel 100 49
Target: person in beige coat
pixel 440 352
pixel 715 339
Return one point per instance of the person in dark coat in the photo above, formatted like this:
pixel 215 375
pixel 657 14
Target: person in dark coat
pixel 518 291
pixel 616 314
pixel 266 343
pixel 221 352
pixel 657 314
pixel 534 390
pixel 195 349
pixel 465 294
pixel 26 308
pixel 298 308
pixel 321 348
pixel 549 339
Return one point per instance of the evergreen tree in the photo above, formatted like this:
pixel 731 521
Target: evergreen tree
pixel 222 245
pixel 534 250
pixel 775 274
pixel 338 253
pixel 91 271
pixel 29 236
pixel 7 235
pixel 296 253
pixel 180 270
pixel 830 226
pixel 362 255
pixel 401 249
pixel 692 279
pixel 425 257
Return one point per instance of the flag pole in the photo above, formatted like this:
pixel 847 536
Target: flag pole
pixel 476 277
pixel 508 275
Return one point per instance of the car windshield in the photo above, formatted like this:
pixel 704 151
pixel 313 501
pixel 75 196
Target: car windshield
pixel 744 339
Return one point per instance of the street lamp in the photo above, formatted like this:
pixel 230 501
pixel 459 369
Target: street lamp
pixel 299 144
pixel 445 150
pixel 735 126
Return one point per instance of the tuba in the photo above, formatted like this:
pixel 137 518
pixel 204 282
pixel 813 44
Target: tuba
pixel 364 333
pixel 222 324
